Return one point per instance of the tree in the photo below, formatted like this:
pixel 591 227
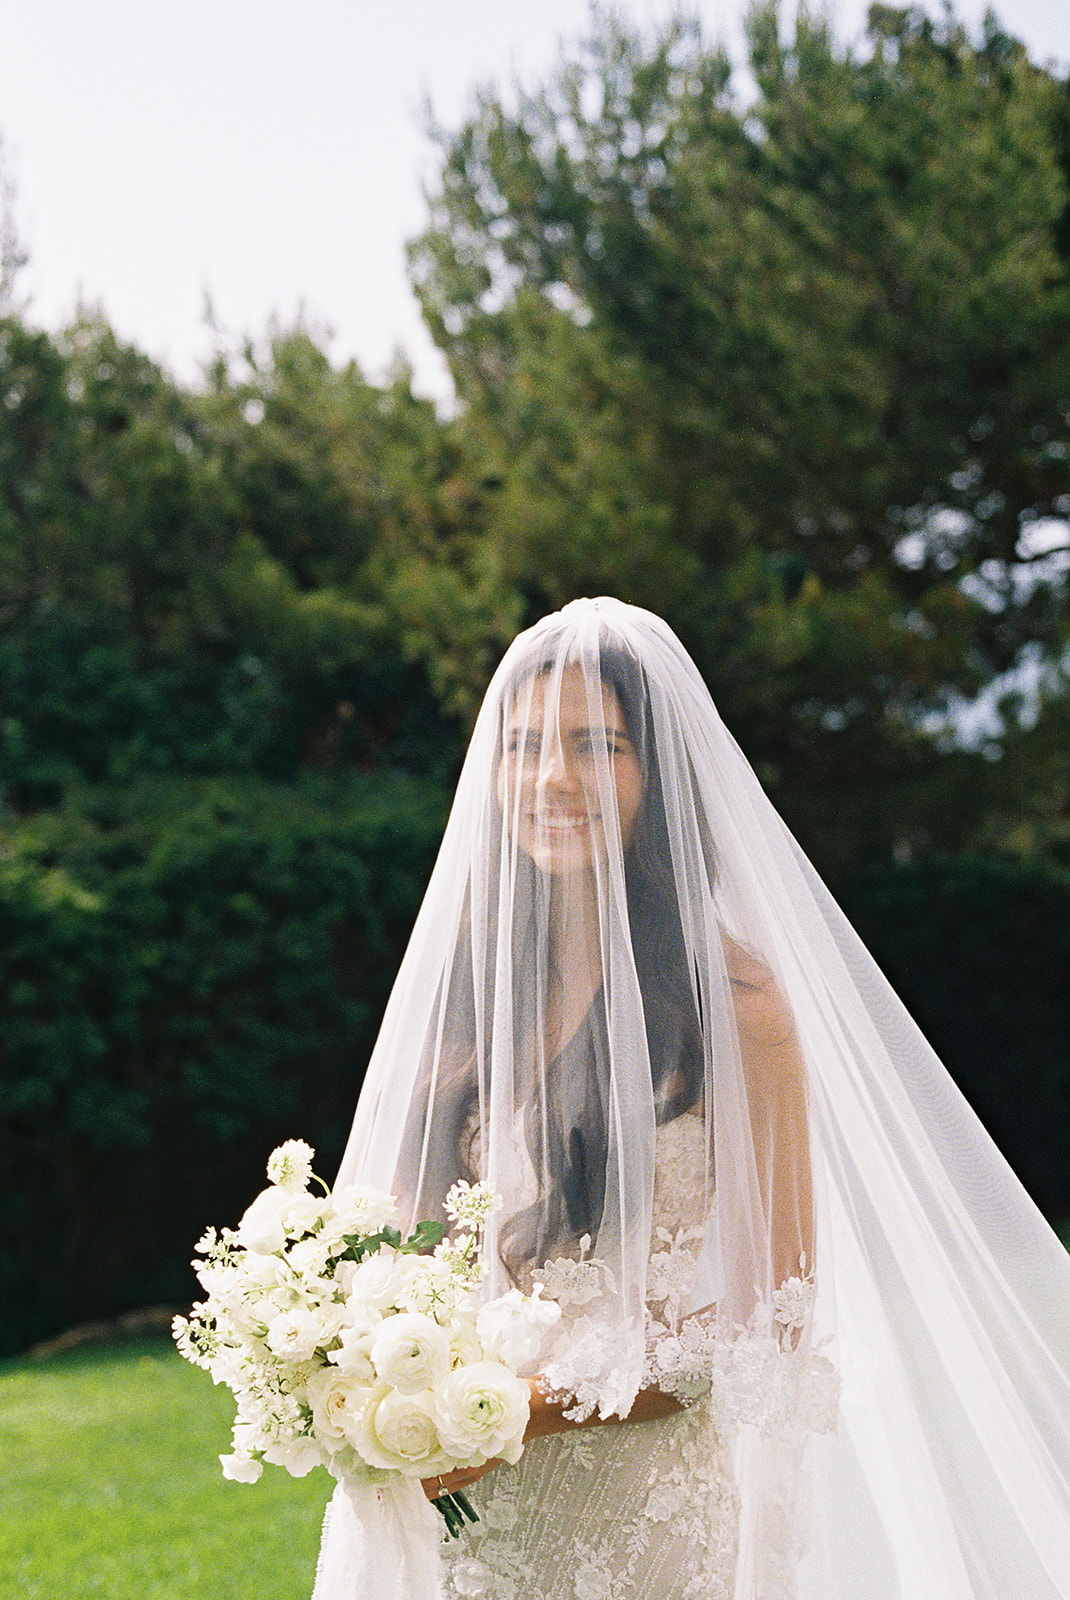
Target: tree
pixel 284 571
pixel 12 254
pixel 792 372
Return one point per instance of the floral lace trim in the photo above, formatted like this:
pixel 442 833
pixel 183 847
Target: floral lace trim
pixel 766 1374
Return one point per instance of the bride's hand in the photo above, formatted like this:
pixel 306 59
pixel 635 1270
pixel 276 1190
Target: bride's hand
pixel 460 1478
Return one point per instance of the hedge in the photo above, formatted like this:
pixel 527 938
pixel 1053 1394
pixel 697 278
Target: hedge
pixel 189 972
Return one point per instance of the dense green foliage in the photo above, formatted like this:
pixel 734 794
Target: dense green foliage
pixel 794 372
pixel 118 1490
pixel 192 972
pixel 979 951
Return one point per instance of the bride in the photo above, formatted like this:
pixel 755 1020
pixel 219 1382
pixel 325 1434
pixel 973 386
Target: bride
pixel 815 1340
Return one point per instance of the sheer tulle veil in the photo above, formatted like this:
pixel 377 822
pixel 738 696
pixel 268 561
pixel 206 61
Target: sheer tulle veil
pixel 621 940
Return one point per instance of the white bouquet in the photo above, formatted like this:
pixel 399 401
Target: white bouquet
pixel 351 1348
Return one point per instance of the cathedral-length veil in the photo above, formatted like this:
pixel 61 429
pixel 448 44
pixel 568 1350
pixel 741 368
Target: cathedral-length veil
pixel 631 1005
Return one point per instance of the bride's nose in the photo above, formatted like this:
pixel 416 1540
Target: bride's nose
pixel 556 774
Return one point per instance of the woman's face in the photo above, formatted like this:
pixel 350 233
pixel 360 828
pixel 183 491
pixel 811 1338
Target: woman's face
pixel 548 774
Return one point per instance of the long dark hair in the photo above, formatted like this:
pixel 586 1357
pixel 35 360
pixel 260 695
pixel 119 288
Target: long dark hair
pixel 567 1134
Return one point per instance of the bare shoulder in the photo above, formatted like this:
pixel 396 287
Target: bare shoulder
pixel 762 1013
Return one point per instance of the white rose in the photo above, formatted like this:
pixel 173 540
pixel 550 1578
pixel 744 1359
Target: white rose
pixel 261 1229
pixel 410 1352
pixel 240 1468
pixel 398 1431
pixel 465 1346
pixel 357 1314
pixel 482 1411
pixel 261 1270
pixel 379 1279
pixel 511 1328
pixel 337 1404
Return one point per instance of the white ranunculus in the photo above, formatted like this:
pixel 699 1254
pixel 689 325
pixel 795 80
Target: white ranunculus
pixel 410 1352
pixel 482 1411
pixel 511 1328
pixel 337 1403
pixel 290 1166
pixel 240 1468
pixel 397 1431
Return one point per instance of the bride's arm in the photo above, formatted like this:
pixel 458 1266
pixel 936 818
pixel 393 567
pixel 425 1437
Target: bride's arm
pixel 548 1416
pixel 775 1078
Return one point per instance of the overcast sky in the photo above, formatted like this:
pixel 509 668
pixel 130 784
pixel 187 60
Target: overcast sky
pixel 270 155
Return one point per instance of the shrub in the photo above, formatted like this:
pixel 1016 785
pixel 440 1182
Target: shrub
pixel 979 951
pixel 191 971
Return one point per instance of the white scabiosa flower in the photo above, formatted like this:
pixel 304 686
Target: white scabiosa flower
pixel 295 1335
pixel 290 1166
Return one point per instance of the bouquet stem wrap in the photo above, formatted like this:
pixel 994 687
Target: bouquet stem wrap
pixel 383 1544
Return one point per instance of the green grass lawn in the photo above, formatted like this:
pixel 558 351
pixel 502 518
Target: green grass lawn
pixel 112 1488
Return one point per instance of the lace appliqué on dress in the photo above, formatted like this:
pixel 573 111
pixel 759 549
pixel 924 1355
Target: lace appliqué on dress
pixel 641 1512
pixel 651 1510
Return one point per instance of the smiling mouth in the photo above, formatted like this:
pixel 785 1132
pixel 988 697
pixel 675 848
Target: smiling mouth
pixel 560 822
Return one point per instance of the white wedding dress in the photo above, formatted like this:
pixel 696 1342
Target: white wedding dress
pixel 621 1511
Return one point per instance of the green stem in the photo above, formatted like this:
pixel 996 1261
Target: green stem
pixel 455 1509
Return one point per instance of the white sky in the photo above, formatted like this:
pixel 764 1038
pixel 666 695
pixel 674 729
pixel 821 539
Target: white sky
pixel 270 155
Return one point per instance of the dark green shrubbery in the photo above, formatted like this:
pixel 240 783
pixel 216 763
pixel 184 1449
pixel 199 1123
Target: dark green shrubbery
pixel 979 950
pixel 191 972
